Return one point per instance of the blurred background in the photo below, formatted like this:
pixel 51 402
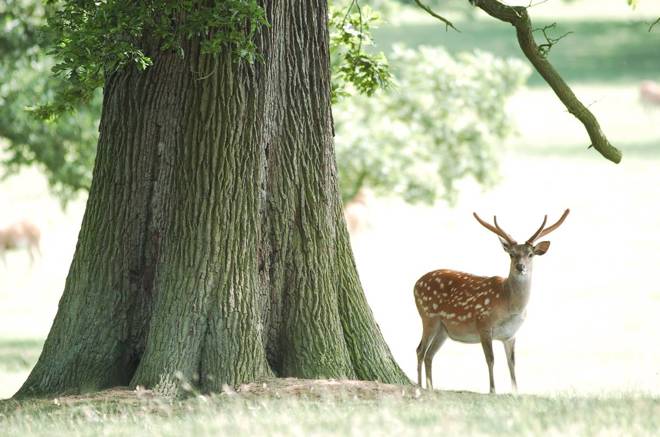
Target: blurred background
pixel 464 126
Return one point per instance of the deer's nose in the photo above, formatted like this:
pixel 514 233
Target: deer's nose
pixel 520 267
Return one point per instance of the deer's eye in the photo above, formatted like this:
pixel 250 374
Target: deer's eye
pixel 530 255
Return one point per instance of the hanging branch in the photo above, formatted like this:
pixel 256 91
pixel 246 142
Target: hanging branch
pixel 518 17
pixel 544 49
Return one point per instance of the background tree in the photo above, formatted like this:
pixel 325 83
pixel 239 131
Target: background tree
pixel 63 148
pixel 443 121
pixel 213 247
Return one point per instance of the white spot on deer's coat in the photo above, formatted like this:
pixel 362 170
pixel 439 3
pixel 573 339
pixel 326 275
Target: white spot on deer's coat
pixel 487 301
pixel 435 306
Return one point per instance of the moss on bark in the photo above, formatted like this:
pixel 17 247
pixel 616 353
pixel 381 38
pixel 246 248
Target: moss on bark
pixel 213 248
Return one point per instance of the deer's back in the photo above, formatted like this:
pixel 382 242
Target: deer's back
pixel 462 301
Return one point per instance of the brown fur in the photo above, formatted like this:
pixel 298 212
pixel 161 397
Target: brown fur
pixel 20 235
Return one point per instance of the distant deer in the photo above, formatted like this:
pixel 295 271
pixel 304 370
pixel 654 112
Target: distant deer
pixel 477 309
pixel 649 93
pixel 21 235
pixel 356 212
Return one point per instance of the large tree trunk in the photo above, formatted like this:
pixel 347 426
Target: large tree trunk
pixel 213 249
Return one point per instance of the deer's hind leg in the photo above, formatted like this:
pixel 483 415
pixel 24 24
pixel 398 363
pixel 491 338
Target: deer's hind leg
pixel 433 336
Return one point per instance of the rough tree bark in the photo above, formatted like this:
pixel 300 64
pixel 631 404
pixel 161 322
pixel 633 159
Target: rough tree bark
pixel 213 248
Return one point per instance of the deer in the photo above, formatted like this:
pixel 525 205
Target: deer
pixel 20 235
pixel 649 93
pixel 477 309
pixel 356 212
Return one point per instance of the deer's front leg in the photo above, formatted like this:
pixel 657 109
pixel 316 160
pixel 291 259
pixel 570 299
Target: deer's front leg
pixel 487 344
pixel 509 349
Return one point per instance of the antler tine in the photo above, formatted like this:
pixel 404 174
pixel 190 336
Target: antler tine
pixel 536 234
pixel 508 237
pixel 549 229
pixel 496 230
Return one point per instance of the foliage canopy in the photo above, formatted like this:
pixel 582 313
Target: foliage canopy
pixel 443 121
pixel 64 148
pixel 92 39
pixel 83 41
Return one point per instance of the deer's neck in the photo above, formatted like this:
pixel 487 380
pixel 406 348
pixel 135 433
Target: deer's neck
pixel 518 287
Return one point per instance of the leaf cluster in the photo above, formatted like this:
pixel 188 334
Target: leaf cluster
pixel 63 149
pixel 353 66
pixel 92 39
pixel 444 121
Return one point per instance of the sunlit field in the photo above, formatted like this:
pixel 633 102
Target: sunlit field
pixel 318 411
pixel 587 356
pixel 593 315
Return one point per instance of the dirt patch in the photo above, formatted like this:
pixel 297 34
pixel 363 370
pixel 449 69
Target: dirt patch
pixel 323 388
pixel 272 388
pixel 114 398
pixel 122 395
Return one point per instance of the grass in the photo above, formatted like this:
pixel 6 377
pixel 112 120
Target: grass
pixel 343 411
pixel 597 51
pixel 19 355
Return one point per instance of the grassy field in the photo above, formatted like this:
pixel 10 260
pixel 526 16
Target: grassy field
pixel 314 409
pixel 587 364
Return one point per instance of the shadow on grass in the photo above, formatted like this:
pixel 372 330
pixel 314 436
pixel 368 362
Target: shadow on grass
pixel 596 51
pixel 18 355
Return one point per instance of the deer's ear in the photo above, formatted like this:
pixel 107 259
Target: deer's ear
pixel 541 248
pixel 505 245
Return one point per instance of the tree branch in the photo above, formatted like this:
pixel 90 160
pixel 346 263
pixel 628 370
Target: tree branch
pixel 430 11
pixel 653 24
pixel 518 17
pixel 544 49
